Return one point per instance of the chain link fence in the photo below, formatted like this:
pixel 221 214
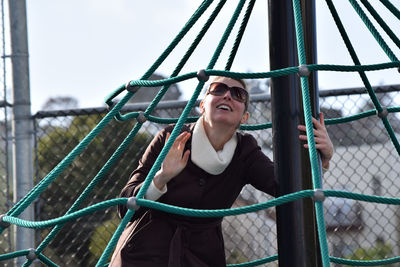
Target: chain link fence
pixel 5 177
pixel 365 162
pixel 6 196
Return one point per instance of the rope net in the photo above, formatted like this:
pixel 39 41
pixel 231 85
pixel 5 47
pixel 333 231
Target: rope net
pixel 129 89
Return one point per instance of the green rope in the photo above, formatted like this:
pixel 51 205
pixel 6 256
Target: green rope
pixel 256 262
pixel 240 35
pixel 225 212
pixel 371 112
pixel 361 115
pixel 373 31
pixel 189 106
pixel 46 260
pixel 187 55
pixel 122 147
pixel 114 239
pixel 40 187
pixel 143 82
pixel 269 74
pixel 391 7
pixel 13 255
pixel 247 127
pixel 183 61
pixel 173 135
pixel 362 197
pixel 381 22
pixel 67 217
pixel 352 53
pixel 201 9
pixel 268 125
pixel 92 185
pixel 365 263
pixel 198 212
pixel 364 78
pixel 316 173
pixel 198 13
pixel 25 252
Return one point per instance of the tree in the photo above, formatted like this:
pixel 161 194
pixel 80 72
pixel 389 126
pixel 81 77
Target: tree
pixel 380 252
pixel 100 238
pixel 60 102
pixel 73 240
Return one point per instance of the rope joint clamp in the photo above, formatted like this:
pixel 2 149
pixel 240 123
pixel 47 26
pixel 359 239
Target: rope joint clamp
pixel 141 118
pixel 31 255
pixel 382 114
pixel 202 76
pixel 304 71
pixel 319 195
pixel 131 88
pixel 131 203
pixel 3 223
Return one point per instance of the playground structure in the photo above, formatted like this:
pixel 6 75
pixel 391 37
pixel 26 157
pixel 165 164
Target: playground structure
pixel 304 70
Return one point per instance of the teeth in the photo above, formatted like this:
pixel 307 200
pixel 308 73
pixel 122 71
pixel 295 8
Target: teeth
pixel 224 107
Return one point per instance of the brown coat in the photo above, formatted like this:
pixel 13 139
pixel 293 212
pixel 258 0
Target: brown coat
pixel 157 239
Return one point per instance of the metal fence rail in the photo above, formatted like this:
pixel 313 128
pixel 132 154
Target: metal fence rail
pixel 365 162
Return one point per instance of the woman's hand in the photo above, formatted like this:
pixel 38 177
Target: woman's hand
pixel 322 141
pixel 174 162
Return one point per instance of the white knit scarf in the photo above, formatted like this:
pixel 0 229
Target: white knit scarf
pixel 204 155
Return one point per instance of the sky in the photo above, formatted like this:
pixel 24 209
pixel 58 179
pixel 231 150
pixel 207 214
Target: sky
pixel 88 48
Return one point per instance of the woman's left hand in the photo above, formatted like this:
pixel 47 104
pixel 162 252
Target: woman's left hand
pixel 322 141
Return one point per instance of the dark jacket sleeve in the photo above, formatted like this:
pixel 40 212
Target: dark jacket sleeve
pixel 260 168
pixel 139 175
pixel 145 164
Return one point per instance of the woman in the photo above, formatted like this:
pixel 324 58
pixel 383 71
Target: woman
pixel 206 168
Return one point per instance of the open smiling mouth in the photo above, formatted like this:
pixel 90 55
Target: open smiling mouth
pixel 224 107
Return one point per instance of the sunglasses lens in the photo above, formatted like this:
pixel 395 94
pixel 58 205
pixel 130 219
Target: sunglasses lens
pixel 219 89
pixel 238 94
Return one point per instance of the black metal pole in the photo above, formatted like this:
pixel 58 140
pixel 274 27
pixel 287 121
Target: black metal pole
pixel 297 240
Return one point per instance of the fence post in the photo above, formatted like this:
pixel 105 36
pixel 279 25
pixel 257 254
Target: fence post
pixel 21 120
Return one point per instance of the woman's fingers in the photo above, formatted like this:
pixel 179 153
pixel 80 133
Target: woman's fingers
pixel 303 129
pixel 176 158
pixel 181 139
pixel 185 157
pixel 176 150
pixel 322 119
pixel 322 141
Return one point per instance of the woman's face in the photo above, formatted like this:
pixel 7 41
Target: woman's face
pixel 224 109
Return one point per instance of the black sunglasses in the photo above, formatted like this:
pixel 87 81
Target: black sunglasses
pixel 218 89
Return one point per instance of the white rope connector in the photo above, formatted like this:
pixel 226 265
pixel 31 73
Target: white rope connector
pixel 319 195
pixel 31 255
pixel 131 204
pixel 304 71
